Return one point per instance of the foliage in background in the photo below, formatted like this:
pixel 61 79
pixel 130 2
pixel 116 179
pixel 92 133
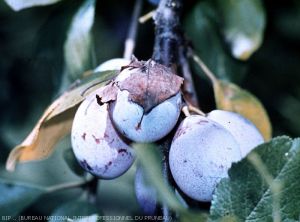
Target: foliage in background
pixel 38 47
pixel 264 186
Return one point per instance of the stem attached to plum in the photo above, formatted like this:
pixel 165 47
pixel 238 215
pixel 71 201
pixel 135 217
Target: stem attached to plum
pixel 212 77
pixel 188 88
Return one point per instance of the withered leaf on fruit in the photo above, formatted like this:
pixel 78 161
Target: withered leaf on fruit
pixel 108 92
pixel 134 63
pixel 148 84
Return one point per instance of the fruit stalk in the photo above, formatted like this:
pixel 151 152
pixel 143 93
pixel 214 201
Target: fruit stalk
pixel 188 88
pixel 92 188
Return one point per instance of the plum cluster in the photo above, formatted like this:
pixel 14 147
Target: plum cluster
pixel 129 108
pixel 143 104
pixel 204 148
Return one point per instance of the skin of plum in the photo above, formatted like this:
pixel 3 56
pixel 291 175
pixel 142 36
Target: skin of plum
pixel 112 64
pixel 201 153
pixel 145 194
pixel 244 131
pixel 130 120
pixel 96 144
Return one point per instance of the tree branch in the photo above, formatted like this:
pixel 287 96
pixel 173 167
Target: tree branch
pixel 168 33
pixel 168 38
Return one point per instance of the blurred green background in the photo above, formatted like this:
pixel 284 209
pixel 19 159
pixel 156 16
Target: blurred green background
pixel 32 67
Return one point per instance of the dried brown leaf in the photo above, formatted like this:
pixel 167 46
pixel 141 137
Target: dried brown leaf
pixel 230 97
pixel 76 95
pixel 148 84
pixel 55 123
pixel 108 93
pixel 40 142
pixel 151 84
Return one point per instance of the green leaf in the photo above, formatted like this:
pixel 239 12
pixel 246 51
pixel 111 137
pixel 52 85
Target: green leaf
pixel 263 187
pixel 193 216
pixel 150 158
pixel 78 49
pixel 288 24
pixel 73 210
pixel 243 24
pixel 18 5
pixel 14 199
pixel 201 27
pixel 114 195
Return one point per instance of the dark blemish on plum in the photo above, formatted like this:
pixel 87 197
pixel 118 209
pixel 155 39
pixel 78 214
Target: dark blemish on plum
pixel 85 165
pixel 197 173
pixel 106 166
pixel 122 151
pixel 229 148
pixel 180 131
pixel 83 136
pixel 185 161
pixel 97 140
pixel 100 103
pixel 202 122
pixel 138 126
pixel 123 132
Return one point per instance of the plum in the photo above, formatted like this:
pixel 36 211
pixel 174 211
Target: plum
pixel 201 153
pixel 244 131
pixel 97 146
